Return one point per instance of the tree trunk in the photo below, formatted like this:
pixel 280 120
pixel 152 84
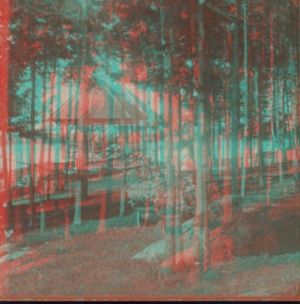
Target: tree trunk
pixel 18 229
pixel 58 126
pixel 148 150
pixel 10 177
pixel 111 124
pixel 77 188
pixel 169 249
pixel 124 175
pixel 32 149
pixel 161 96
pixel 206 235
pixel 84 185
pixel 179 195
pixel 271 109
pixel 70 105
pixel 246 102
pixel 221 147
pixel 4 60
pixel 197 270
pixel 76 115
pixel 227 208
pixel 42 156
pixel 260 133
pixel 251 141
pixel 103 202
pixel 213 147
pixel 77 217
pixel 279 130
pixel 234 105
pixel 50 139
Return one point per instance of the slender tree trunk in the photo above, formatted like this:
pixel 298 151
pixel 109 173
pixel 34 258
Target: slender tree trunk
pixel 58 125
pixel 155 148
pixel 234 106
pixel 246 102
pixel 148 153
pixel 221 147
pixel 125 156
pixel 138 102
pixel 86 161
pixel 179 195
pixel 32 149
pixel 18 229
pixel 213 147
pixel 103 203
pixel 260 133
pixel 78 151
pixel 271 110
pixel 227 207
pixel 49 177
pixel 70 105
pixel 294 148
pixel 42 156
pixel 10 177
pixel 124 175
pixel 251 131
pixel 206 234
pixel 197 270
pixel 77 215
pixel 279 130
pixel 169 249
pixel 111 124
pixel 58 141
pixel 4 60
pixel 294 128
pixel 216 145
pixel 75 139
pixel 161 96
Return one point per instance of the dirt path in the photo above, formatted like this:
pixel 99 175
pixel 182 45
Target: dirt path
pixel 89 264
pixel 100 265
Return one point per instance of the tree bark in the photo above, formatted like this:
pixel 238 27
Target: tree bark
pixel 58 127
pixel 50 138
pixel 260 132
pixel 234 106
pixel 32 149
pixel 179 196
pixel 199 238
pixel 70 105
pixel 4 61
pixel 246 101
pixel 42 155
pixel 161 96
pixel 271 108
pixel 148 153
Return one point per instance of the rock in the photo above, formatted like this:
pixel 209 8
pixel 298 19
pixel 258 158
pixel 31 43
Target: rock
pixel 236 201
pixel 153 217
pixel 256 230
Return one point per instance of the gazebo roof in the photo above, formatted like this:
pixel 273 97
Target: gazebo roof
pixel 93 106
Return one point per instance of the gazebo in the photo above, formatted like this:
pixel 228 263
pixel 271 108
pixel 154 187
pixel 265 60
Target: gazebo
pixel 129 113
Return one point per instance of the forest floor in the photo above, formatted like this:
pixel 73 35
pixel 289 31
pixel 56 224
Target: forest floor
pixel 88 264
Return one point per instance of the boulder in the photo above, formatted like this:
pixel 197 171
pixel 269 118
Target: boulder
pixel 236 201
pixel 258 229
